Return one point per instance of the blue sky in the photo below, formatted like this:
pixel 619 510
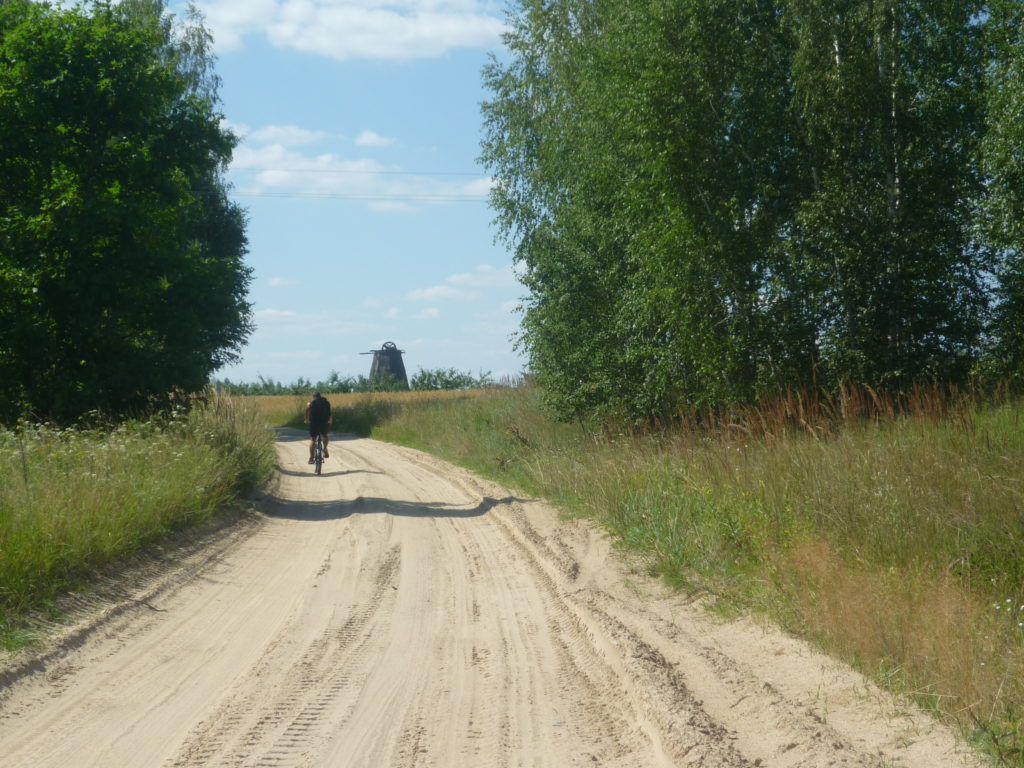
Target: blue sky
pixel 368 219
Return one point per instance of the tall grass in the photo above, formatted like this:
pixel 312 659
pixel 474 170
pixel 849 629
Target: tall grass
pixel 73 501
pixel 889 532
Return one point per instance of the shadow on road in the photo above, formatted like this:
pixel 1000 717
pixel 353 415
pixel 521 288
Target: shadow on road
pixel 291 435
pixel 309 472
pixel 319 511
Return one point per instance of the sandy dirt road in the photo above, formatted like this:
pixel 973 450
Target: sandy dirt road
pixel 397 611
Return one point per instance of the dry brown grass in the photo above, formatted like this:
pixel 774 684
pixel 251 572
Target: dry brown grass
pixel 955 652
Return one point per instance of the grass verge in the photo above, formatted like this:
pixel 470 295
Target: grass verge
pixel 76 501
pixel 895 542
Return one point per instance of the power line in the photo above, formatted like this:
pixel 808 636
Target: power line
pixel 353 172
pixel 342 196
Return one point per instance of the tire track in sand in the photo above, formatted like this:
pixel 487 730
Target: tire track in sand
pixel 285 706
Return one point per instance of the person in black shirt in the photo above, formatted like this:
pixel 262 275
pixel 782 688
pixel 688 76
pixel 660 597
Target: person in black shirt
pixel 319 417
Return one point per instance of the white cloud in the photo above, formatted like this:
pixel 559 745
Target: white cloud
pixel 239 129
pixel 484 276
pixel 480 187
pixel 231 20
pixel 356 29
pixel 279 170
pixel 278 282
pixel 373 139
pixel 285 135
pixel 392 313
pixel 289 324
pixel 285 169
pixel 441 293
pixel 430 313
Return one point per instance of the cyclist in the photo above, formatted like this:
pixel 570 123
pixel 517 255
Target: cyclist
pixel 318 416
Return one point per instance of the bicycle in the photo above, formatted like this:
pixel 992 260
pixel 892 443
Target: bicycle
pixel 318 454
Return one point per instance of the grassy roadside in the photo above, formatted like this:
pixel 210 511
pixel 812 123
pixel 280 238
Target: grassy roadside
pixel 895 543
pixel 77 501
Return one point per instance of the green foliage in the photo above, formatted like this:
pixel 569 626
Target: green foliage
pixel 448 378
pixel 714 200
pixel 75 501
pixel 889 100
pixel 1004 162
pixel 121 272
pixel 335 383
pixel 362 416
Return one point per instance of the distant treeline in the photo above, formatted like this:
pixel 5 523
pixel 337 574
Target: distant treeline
pixel 713 201
pixel 423 379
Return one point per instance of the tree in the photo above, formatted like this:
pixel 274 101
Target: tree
pixel 889 102
pixel 1004 163
pixel 121 257
pixel 715 200
pixel 640 151
pixel 448 378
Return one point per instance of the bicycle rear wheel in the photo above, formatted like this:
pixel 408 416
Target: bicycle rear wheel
pixel 318 454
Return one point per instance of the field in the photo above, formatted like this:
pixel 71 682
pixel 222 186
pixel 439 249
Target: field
pixel 896 542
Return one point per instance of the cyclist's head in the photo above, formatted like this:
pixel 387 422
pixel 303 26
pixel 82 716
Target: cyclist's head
pixel 316 394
